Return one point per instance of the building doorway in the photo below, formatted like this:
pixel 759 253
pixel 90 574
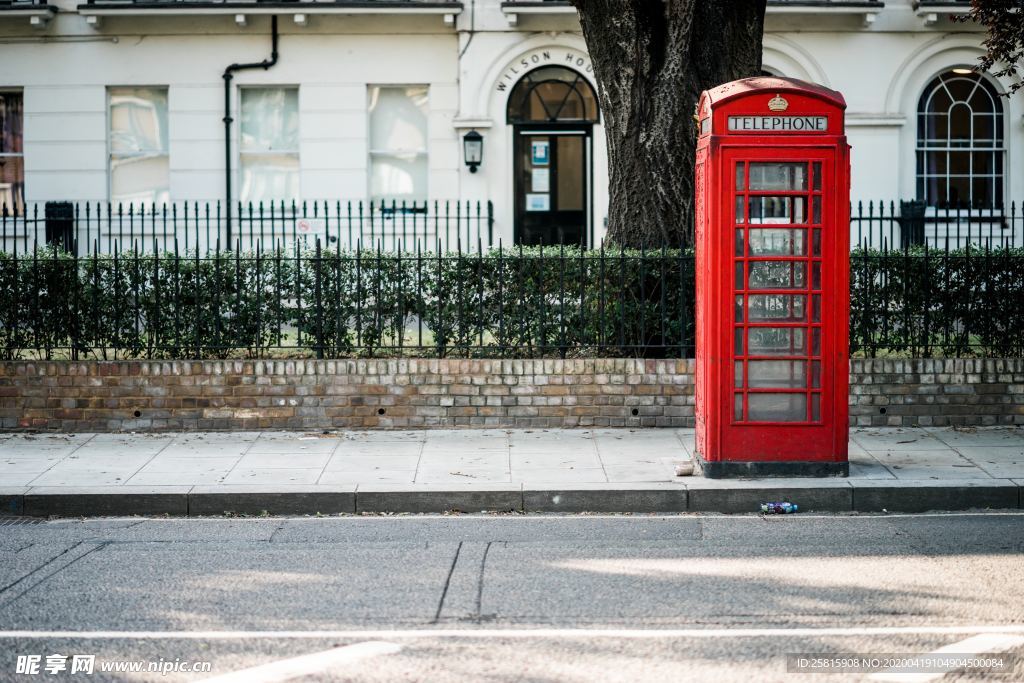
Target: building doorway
pixel 552 111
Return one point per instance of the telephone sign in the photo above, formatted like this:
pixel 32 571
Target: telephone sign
pixel 772 238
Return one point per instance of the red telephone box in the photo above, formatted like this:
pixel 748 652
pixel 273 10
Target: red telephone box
pixel 772 240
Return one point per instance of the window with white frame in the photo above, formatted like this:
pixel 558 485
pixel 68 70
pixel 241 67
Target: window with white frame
pixel 139 163
pixel 12 157
pixel 398 142
pixel 960 144
pixel 269 145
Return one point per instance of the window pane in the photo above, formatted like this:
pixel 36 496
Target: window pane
pixel 570 175
pixel 778 209
pixel 777 275
pixel 12 185
pixel 964 113
pixel 777 341
pixel 138 120
pixel 777 407
pixel 777 374
pixel 788 308
pixel 269 177
pixel 270 120
pixel 11 121
pixel 12 163
pixel 394 177
pixel 778 242
pixel 140 179
pixel 778 176
pixel 398 118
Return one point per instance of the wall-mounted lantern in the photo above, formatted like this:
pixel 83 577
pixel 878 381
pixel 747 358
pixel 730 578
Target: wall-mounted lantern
pixel 473 149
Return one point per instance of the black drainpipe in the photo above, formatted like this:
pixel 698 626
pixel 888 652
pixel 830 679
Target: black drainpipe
pixel 265 64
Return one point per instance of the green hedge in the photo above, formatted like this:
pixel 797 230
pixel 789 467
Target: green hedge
pixel 511 303
pixel 521 303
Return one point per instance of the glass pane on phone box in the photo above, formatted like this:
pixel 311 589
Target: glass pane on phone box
pixel 739 309
pixel 737 374
pixel 777 374
pixel 739 175
pixel 777 307
pixel 738 342
pixel 778 242
pixel 816 407
pixel 777 341
pixel 739 243
pixel 778 176
pixel 737 407
pixel 777 275
pixel 777 407
pixel 769 210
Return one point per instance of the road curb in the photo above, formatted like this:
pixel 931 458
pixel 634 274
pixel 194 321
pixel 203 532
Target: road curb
pixel 106 501
pixel 670 498
pixel 444 499
pixel 210 501
pixel 697 495
pixel 879 496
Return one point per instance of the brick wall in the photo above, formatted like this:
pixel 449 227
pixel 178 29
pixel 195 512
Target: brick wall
pixel 150 395
pixel 175 395
pixel 936 392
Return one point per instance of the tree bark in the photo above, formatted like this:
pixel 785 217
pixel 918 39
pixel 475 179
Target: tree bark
pixel 652 59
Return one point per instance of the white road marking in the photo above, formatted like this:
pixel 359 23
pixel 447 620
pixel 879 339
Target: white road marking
pixel 972 647
pixel 296 667
pixel 525 633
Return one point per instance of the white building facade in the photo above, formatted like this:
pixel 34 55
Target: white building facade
pixel 369 101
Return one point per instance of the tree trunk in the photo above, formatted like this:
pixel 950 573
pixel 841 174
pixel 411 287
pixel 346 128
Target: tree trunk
pixel 652 59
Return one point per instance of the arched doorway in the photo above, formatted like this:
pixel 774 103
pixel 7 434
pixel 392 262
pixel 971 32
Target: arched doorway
pixel 552 111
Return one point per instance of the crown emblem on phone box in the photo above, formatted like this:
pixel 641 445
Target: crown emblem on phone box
pixel 778 103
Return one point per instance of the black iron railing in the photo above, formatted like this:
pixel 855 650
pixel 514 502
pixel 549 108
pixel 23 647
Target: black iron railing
pixel 895 225
pixel 88 227
pixel 439 225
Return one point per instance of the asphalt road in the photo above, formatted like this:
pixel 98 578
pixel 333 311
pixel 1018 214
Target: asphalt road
pixel 496 598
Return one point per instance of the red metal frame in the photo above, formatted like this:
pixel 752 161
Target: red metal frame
pixel 780 281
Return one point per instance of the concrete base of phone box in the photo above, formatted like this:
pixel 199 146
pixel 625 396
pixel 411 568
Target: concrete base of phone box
pixel 734 469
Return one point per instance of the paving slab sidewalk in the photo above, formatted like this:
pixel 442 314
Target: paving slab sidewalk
pixel 598 470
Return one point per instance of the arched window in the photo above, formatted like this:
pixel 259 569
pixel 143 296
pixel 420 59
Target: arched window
pixel 960 142
pixel 552 93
